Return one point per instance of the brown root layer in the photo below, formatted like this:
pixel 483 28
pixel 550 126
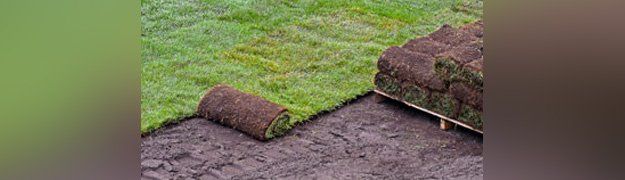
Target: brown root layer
pixel 244 112
pixel 476 28
pixel 464 53
pixel 409 67
pixel 452 36
pixel 426 45
pixel 467 95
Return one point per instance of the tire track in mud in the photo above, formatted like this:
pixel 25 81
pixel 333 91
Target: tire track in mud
pixel 362 140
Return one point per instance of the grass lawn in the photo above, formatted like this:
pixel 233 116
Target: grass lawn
pixel 308 56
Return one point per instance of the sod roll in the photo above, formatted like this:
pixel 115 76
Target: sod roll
pixel 426 45
pixel 452 36
pixel 439 102
pixel 250 114
pixel 409 67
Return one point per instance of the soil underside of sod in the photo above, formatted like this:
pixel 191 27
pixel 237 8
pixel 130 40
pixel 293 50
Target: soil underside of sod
pixel 441 72
pixel 362 140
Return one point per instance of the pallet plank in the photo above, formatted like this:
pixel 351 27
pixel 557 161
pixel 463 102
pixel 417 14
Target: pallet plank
pixel 443 118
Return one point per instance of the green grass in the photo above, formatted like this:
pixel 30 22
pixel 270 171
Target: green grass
pixel 308 56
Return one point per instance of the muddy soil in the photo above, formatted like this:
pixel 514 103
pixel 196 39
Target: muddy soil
pixel 362 140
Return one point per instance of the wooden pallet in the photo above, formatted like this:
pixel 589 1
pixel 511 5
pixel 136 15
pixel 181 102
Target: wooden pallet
pixel 446 123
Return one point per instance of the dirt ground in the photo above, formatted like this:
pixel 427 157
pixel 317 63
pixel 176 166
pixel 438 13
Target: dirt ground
pixel 362 140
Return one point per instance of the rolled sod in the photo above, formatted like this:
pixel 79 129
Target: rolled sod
pixel 458 103
pixel 441 103
pixel 426 45
pixel 476 28
pixel 448 71
pixel 467 95
pixel 409 67
pixel 464 53
pixel 441 72
pixel 452 36
pixel 250 114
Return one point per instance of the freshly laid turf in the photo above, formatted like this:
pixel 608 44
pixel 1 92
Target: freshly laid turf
pixel 307 56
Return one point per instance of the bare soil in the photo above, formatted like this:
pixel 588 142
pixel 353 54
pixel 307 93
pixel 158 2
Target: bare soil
pixel 362 140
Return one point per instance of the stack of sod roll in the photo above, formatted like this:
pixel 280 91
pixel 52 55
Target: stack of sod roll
pixel 441 72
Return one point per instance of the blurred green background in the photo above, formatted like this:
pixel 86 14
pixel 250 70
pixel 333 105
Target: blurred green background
pixel 69 84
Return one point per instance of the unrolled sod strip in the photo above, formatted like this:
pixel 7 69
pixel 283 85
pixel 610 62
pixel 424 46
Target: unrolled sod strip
pixel 250 114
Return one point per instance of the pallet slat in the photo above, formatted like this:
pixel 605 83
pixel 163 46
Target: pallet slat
pixel 443 118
